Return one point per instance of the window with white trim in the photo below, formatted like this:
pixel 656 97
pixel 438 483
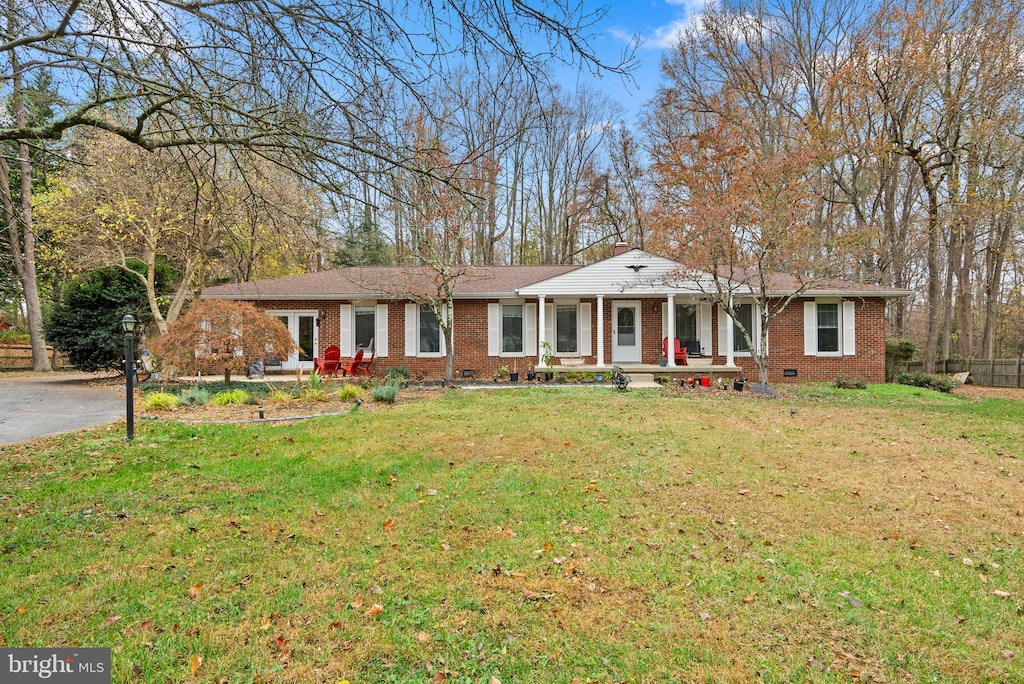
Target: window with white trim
pixel 744 315
pixel 566 329
pixel 429 331
pixel 365 326
pixel 511 328
pixel 828 327
pixel 686 322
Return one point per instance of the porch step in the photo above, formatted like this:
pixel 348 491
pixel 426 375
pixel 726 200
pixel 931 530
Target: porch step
pixel 642 381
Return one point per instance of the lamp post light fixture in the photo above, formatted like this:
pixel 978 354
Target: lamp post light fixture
pixel 128 324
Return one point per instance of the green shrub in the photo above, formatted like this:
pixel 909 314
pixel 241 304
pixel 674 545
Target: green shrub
pixel 940 383
pixel 196 396
pixel 228 397
pixel 350 392
pixel 398 373
pixel 13 336
pixel 316 381
pixel 898 352
pixel 386 393
pixel 848 382
pixel 160 401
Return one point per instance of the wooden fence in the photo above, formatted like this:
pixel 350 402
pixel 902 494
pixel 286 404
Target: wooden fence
pixel 988 372
pixel 19 357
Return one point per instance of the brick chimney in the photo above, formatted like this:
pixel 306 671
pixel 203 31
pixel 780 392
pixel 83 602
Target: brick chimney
pixel 620 248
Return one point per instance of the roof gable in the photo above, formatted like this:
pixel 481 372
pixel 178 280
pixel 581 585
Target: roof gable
pixel 632 273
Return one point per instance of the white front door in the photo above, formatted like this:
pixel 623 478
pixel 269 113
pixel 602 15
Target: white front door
pixel 625 332
pixel 303 327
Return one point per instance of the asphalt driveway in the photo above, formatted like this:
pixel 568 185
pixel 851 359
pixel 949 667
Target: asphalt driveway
pixel 36 406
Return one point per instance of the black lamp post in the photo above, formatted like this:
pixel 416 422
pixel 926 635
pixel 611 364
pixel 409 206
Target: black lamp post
pixel 129 323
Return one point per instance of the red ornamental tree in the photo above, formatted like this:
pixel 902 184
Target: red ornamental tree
pixel 225 334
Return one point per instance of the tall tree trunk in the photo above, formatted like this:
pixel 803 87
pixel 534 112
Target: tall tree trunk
pixel 23 240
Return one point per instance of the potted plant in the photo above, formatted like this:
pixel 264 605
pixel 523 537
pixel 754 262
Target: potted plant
pixel 530 375
pixel 545 358
pixel 501 373
pixel 662 361
pixel 514 375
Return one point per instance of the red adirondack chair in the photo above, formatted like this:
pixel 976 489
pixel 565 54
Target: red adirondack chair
pixel 329 363
pixel 363 365
pixel 352 367
pixel 680 350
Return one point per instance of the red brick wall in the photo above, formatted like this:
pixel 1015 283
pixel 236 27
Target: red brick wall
pixel 785 342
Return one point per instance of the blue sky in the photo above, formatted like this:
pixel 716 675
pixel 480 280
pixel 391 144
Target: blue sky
pixel 657 22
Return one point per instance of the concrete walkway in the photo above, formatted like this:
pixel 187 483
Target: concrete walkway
pixel 40 406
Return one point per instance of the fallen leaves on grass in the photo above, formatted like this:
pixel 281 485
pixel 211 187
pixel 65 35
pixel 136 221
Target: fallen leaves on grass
pixel 357 602
pixel 748 599
pixel 195 591
pixel 537 595
pixel 194 663
pixel 422 637
pixel 111 620
pixel 375 610
pixel 389 525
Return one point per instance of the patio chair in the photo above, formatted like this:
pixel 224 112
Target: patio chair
pixel 352 367
pixel 693 348
pixel 680 350
pixel 329 363
pixel 364 364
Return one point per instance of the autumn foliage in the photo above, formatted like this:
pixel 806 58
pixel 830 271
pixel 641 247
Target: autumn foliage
pixel 222 334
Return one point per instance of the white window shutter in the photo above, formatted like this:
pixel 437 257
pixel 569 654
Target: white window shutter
pixel 704 313
pixel 586 343
pixel 494 329
pixel 530 329
pixel 723 331
pixel 549 325
pixel 348 338
pixel 849 330
pixel 664 320
pixel 380 340
pixel 810 328
pixel 411 331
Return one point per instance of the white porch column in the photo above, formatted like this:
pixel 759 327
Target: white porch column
pixel 670 345
pixel 600 330
pixel 730 359
pixel 540 330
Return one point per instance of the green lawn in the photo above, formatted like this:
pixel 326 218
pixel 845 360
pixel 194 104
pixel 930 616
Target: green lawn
pixel 535 536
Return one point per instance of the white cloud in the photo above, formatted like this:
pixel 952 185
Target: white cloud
pixel 667 36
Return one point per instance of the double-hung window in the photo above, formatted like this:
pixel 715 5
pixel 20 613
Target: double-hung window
pixel 566 329
pixel 511 328
pixel 744 316
pixel 365 326
pixel 828 327
pixel 686 322
pixel 429 331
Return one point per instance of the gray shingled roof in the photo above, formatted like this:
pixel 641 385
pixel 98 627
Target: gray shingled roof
pixel 394 281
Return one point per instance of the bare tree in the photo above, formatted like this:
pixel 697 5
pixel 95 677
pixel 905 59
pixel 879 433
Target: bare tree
pixel 297 84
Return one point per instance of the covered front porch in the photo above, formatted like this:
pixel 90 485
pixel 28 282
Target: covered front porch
pixel 632 310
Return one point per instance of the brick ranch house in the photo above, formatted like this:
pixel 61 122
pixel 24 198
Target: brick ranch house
pixel 614 312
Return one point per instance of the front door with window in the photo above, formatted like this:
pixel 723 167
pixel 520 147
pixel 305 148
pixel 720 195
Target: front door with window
pixel 626 332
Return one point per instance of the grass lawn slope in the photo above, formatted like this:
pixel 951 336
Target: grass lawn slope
pixel 534 536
